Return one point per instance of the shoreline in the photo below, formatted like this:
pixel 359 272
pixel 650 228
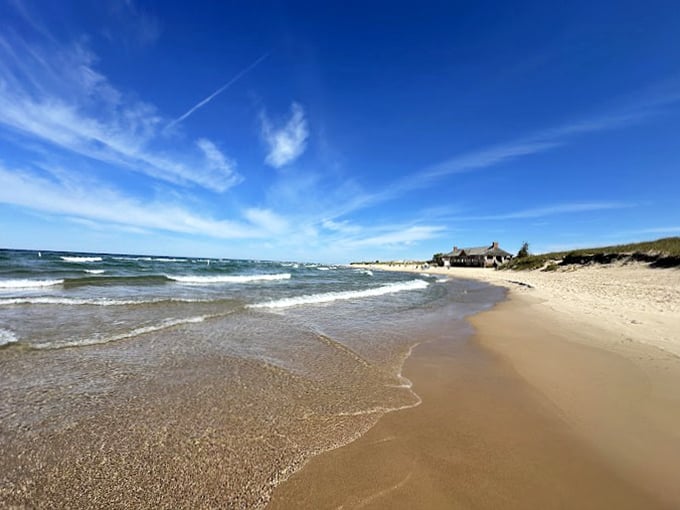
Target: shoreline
pixel 574 387
pixel 212 413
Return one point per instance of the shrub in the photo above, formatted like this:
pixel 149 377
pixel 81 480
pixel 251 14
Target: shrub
pixel 523 251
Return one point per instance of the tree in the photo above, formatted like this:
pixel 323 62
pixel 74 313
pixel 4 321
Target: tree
pixel 437 259
pixel 523 251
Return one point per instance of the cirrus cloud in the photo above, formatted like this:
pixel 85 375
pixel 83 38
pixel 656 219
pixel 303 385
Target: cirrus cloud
pixel 286 143
pixel 56 96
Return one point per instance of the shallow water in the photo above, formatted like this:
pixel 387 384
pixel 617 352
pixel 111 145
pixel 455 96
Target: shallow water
pixel 201 394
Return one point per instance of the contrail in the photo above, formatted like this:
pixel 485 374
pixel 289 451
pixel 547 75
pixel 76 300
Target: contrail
pixel 218 91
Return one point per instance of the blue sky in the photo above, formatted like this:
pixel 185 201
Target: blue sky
pixel 337 131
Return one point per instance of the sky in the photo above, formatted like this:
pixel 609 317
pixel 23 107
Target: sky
pixel 337 131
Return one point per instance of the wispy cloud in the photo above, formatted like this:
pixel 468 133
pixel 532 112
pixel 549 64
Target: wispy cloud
pixel 398 235
pixel 107 227
pixel 434 224
pixel 71 196
pixel 550 138
pixel 29 17
pixel 286 143
pixel 643 108
pixel 219 163
pixel 485 158
pixel 267 220
pixel 57 97
pixel 212 96
pixel 340 226
pixel 552 210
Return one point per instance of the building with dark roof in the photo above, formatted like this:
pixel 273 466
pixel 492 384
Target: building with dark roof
pixel 483 256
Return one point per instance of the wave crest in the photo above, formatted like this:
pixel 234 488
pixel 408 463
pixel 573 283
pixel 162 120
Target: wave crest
pixel 200 280
pixel 81 259
pixel 68 301
pixel 328 297
pixel 28 284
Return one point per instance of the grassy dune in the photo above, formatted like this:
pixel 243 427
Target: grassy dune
pixel 660 253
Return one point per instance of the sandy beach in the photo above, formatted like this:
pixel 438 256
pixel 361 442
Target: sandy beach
pixel 565 396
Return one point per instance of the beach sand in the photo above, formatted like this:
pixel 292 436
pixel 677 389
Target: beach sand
pixel 566 396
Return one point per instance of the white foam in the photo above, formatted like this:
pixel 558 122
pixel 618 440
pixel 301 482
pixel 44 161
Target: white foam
pixel 7 337
pixel 167 323
pixel 163 259
pixel 81 259
pixel 95 271
pixel 91 302
pixel 28 284
pixel 200 280
pixel 324 268
pixel 329 297
pixel 366 272
pixel 382 409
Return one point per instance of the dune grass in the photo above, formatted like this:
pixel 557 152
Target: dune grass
pixel 660 253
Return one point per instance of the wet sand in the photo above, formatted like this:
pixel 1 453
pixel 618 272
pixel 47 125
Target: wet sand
pixel 531 412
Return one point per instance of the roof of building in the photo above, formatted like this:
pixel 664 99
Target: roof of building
pixel 492 250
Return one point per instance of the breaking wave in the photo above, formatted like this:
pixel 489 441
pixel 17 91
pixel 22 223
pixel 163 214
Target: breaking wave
pixel 81 259
pixel 28 284
pixel 7 337
pixel 329 297
pixel 97 301
pixel 229 279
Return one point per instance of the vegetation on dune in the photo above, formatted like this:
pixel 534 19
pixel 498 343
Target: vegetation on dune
pixel 660 253
pixel 523 251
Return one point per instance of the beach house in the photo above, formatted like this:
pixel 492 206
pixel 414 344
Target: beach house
pixel 484 256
